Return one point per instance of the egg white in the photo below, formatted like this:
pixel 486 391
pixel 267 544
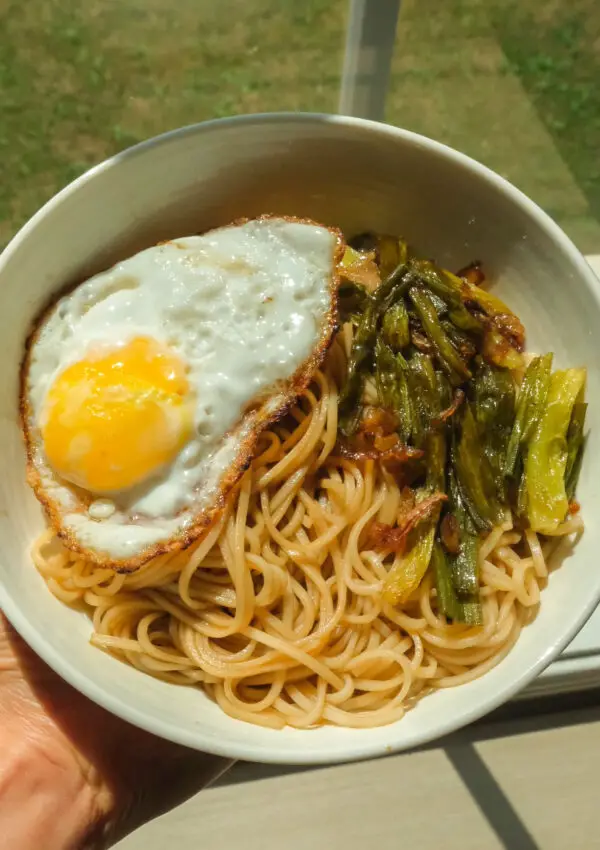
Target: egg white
pixel 247 307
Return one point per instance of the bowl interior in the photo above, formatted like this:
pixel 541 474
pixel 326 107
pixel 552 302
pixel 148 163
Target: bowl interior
pixel 359 176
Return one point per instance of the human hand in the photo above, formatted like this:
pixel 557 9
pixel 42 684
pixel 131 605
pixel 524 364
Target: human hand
pixel 73 776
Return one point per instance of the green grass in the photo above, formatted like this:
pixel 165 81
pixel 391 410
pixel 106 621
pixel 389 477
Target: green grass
pixel 81 81
pixel 554 48
pixel 511 82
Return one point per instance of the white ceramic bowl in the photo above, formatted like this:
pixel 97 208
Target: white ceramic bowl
pixel 358 175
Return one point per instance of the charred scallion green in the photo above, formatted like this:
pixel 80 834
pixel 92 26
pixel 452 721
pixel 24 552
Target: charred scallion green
pixel 494 407
pixel 530 405
pixel 439 283
pixel 353 300
pixel 429 397
pixel 395 327
pixel 474 473
pixel 447 355
pixel 458 609
pixel 575 441
pixel 363 345
pixel 424 395
pixel 464 566
pixel 392 386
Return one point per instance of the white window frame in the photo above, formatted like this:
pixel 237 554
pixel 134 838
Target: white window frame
pixel 370 38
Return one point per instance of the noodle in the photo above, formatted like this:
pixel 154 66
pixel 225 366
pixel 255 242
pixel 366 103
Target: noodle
pixel 278 611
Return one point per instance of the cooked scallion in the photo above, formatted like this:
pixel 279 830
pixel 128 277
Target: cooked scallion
pixel 547 453
pixel 444 357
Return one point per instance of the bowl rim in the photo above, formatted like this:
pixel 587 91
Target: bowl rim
pixel 360 746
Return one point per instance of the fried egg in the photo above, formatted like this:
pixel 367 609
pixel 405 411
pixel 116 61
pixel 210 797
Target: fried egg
pixel 145 389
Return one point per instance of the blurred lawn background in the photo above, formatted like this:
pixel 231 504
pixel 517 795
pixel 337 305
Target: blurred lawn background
pixel 513 83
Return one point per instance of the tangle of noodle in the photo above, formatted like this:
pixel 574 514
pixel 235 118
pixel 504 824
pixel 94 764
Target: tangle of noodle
pixel 277 612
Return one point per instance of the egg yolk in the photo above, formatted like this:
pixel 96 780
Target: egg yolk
pixel 116 418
